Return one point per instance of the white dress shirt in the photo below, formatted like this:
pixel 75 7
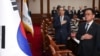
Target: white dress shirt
pixel 90 23
pixel 61 18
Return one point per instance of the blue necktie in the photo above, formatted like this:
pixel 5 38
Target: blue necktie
pixel 86 27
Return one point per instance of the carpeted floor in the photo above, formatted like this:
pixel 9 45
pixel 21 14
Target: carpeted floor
pixel 36 41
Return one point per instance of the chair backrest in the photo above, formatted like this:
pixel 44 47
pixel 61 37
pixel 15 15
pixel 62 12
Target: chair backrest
pixel 53 51
pixel 46 42
pixel 52 42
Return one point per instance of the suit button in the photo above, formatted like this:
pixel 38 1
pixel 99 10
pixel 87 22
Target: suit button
pixel 60 31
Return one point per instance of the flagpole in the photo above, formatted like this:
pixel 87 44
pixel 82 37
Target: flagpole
pixel 28 3
pixel 21 9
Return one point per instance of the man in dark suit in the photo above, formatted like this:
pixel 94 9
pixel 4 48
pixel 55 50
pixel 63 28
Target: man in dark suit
pixel 88 35
pixel 97 13
pixel 80 13
pixel 73 11
pixel 61 24
pixel 69 12
pixel 54 11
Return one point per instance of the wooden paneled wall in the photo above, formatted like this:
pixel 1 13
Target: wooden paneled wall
pixel 37 17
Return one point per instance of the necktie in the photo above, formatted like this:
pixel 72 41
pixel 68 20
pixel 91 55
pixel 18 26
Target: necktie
pixel 86 27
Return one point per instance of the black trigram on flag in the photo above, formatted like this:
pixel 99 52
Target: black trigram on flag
pixel 2 37
pixel 14 4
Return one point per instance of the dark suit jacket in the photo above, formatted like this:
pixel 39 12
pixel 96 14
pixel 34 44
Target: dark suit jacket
pixel 69 14
pixel 66 13
pixel 80 14
pixel 97 49
pixel 65 28
pixel 88 47
pixel 54 13
pixel 97 14
pixel 73 12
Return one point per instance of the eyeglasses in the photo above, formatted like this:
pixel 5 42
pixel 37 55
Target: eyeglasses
pixel 88 14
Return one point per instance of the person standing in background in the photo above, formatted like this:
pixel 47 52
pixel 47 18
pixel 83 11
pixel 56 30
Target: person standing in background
pixel 85 7
pixel 54 11
pixel 97 13
pixel 80 13
pixel 61 24
pixel 73 10
pixel 69 12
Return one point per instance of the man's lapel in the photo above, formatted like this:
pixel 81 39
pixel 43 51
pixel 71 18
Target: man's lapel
pixel 59 19
pixel 84 30
pixel 90 29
